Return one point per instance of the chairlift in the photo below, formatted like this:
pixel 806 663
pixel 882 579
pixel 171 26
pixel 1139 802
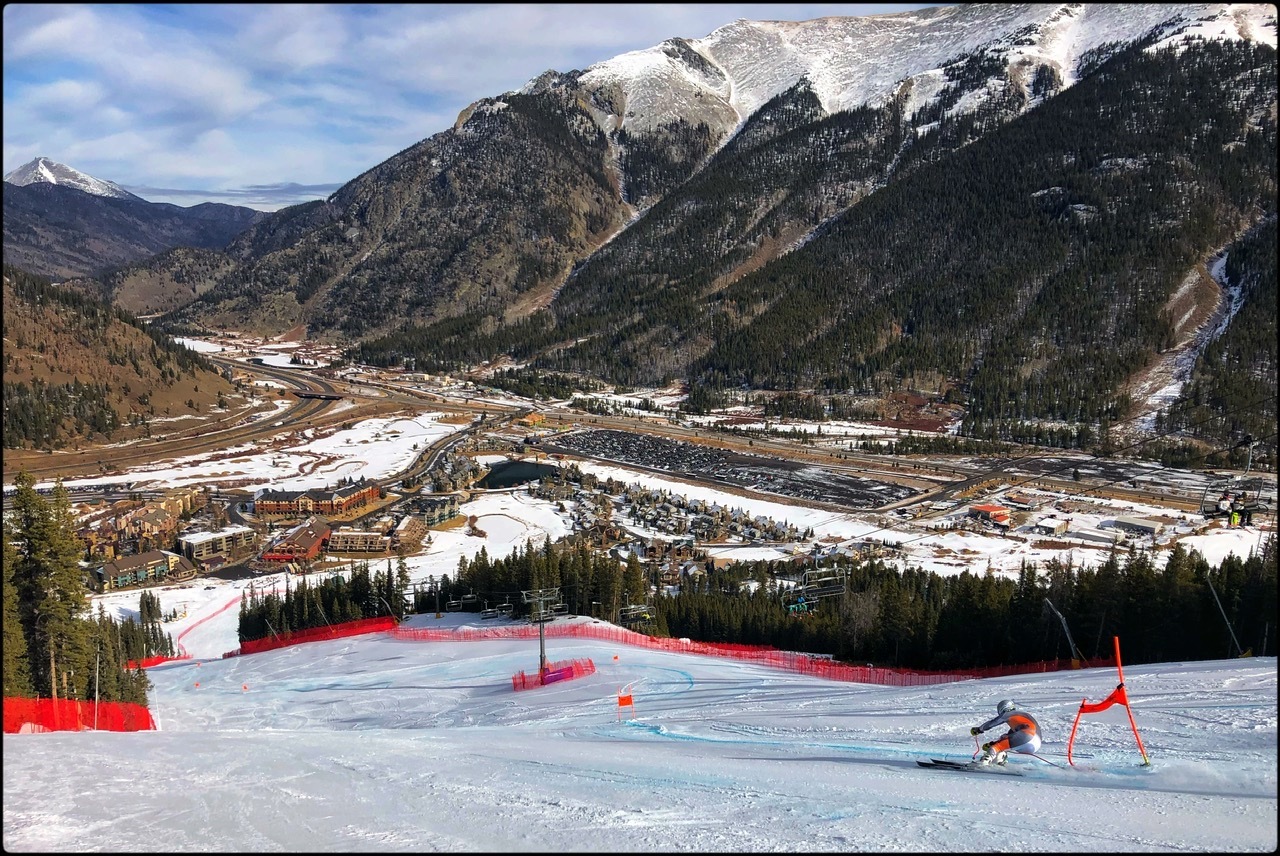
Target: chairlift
pixel 634 613
pixel 1230 496
pixel 452 605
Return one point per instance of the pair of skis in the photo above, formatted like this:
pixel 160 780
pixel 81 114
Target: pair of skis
pixel 968 767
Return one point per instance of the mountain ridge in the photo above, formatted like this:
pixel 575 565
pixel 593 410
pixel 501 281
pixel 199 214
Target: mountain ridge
pixel 64 232
pixel 647 245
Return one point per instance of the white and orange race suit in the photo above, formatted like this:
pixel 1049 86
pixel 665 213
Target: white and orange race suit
pixel 1023 735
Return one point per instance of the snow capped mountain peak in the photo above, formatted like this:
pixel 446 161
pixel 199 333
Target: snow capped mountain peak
pixel 854 61
pixel 46 171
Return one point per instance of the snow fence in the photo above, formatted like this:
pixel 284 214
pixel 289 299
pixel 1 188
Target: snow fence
pixel 565 670
pixel 315 634
pixel 794 661
pixel 30 715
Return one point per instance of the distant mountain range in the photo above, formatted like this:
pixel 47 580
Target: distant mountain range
pixel 999 204
pixel 62 223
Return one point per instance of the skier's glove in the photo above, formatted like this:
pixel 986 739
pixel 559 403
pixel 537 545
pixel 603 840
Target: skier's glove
pixel 986 747
pixel 975 731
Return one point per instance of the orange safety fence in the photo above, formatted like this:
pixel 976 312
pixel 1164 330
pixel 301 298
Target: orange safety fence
pixel 316 634
pixel 565 670
pixel 795 661
pixel 30 715
pixel 148 662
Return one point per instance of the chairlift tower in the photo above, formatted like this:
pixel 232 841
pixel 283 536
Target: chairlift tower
pixel 540 611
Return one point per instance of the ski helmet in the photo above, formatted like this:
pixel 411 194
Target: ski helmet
pixel 1006 706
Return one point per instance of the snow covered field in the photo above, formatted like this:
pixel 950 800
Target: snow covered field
pixel 378 744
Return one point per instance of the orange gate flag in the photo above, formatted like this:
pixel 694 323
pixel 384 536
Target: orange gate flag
pixel 624 700
pixel 1118 696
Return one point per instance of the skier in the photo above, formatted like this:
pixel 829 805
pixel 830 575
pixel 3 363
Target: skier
pixel 1023 735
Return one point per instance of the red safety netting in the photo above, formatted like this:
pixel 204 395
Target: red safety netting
pixel 316 634
pixel 30 715
pixel 148 662
pixel 809 664
pixel 565 670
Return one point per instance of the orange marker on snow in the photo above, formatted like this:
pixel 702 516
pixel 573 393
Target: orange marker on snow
pixel 625 700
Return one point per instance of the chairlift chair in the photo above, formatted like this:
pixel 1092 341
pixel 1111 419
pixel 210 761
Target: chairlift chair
pixel 1224 497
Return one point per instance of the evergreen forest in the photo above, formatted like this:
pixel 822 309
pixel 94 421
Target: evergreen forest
pixel 1167 608
pixel 334 600
pixel 54 647
pixel 77 369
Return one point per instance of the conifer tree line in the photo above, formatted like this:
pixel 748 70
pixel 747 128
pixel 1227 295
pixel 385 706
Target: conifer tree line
pixel 1163 609
pixel 334 600
pixel 54 645
pixel 591 582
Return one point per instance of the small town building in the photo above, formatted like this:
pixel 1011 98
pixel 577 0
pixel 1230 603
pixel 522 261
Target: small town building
pixel 1139 525
pixel 997 514
pixel 329 501
pixel 151 566
pixel 1051 526
pixel 435 509
pixel 200 546
pixel 410 528
pixel 358 541
pixel 300 544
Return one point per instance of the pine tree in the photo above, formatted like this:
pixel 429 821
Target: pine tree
pixel 634 589
pixel 50 589
pixel 17 671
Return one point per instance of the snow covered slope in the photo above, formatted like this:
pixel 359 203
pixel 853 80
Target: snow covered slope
pixel 374 744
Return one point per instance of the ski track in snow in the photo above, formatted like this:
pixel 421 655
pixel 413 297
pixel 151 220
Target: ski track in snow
pixel 384 744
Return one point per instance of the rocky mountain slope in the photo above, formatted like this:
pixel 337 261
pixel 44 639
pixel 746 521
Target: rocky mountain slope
pixel 945 199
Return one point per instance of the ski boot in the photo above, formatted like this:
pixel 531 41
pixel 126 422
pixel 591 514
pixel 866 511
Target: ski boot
pixel 990 756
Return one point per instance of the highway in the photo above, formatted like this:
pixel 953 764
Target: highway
pixel 210 434
pixel 932 480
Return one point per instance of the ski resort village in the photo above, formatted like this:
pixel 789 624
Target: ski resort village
pixel 640 428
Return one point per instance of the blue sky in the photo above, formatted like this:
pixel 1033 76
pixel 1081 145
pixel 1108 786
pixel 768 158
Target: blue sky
pixel 269 105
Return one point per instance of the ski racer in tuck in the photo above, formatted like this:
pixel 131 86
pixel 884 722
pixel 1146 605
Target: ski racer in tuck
pixel 1023 735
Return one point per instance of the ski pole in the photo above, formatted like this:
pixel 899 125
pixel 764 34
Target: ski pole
pixel 1046 760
